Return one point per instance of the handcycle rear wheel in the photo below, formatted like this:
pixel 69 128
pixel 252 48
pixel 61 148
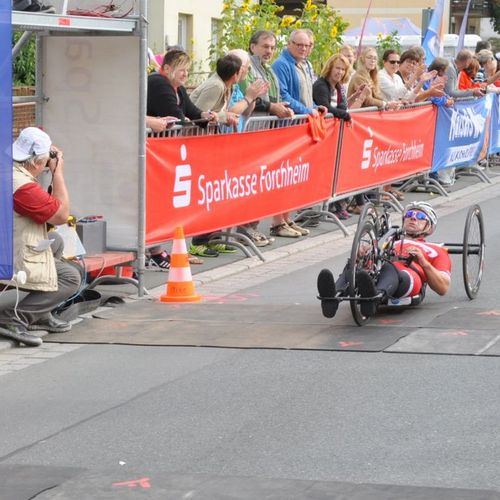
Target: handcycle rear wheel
pixel 364 255
pixel 473 251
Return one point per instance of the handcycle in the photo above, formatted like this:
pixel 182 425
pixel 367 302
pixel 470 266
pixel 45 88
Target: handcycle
pixel 374 244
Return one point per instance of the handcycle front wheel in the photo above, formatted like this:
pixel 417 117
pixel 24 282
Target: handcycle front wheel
pixel 473 251
pixel 364 256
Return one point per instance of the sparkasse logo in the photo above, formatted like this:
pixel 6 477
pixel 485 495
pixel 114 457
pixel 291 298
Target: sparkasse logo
pixel 367 151
pixel 182 184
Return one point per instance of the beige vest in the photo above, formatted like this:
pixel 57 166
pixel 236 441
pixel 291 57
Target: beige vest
pixel 39 267
pixel 212 95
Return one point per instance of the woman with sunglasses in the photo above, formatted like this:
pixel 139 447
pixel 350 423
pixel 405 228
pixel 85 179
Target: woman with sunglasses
pixel 391 84
pixel 430 264
pixel 394 88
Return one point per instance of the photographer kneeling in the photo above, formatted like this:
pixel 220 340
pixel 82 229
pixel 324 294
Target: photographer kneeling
pixel 49 281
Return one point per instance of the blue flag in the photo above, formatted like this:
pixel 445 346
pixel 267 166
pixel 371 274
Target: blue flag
pixel 434 36
pixel 6 213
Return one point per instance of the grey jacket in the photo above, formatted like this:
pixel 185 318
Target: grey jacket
pixel 451 86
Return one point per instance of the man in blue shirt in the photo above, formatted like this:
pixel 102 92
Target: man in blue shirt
pixel 295 73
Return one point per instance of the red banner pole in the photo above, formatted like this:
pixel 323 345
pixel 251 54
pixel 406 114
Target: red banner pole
pixel 360 45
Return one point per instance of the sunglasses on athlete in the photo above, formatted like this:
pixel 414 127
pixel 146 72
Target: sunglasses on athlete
pixel 418 215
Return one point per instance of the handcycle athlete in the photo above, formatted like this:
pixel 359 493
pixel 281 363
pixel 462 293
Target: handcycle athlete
pixel 416 263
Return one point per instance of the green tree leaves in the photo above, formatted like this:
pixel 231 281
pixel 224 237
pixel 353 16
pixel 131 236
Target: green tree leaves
pixel 23 66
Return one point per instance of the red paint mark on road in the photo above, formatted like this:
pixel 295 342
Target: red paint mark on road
pixel 143 483
pixel 489 313
pixel 217 299
pixel 349 343
pixel 389 321
pixel 455 334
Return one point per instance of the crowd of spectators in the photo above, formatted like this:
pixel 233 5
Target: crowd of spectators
pixel 250 84
pixel 246 84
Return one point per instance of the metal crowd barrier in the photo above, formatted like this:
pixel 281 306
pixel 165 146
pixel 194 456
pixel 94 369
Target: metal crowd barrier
pixel 468 170
pixel 425 182
pixel 255 123
pixel 187 129
pixel 473 170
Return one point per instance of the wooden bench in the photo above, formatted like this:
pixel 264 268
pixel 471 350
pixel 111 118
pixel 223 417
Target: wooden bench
pixel 100 261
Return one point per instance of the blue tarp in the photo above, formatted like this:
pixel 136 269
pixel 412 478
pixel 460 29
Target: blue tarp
pixel 376 25
pixel 5 140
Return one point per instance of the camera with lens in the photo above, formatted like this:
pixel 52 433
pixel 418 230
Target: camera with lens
pixel 53 154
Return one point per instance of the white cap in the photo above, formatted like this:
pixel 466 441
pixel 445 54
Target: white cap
pixel 31 141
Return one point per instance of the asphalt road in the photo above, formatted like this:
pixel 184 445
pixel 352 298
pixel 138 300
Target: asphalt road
pixel 402 419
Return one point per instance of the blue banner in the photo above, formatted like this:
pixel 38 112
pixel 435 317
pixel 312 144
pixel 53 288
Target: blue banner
pixel 6 212
pixel 460 133
pixel 494 144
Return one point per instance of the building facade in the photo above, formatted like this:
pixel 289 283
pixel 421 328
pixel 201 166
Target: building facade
pixel 478 21
pixel 192 24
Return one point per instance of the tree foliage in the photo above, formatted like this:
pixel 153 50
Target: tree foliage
pixel 390 41
pixel 495 14
pixel 23 66
pixel 240 19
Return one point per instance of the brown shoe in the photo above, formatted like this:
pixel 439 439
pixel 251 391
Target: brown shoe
pixel 302 230
pixel 356 210
pixel 397 194
pixel 285 231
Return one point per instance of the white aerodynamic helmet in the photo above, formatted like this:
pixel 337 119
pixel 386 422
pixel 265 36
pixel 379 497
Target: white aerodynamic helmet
pixel 424 207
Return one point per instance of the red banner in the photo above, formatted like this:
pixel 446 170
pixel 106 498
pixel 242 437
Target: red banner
pixel 381 147
pixel 212 182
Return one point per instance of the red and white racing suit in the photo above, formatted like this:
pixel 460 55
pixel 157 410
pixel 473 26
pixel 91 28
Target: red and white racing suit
pixel 435 254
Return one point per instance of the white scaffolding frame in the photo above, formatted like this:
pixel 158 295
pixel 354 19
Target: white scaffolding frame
pixel 52 25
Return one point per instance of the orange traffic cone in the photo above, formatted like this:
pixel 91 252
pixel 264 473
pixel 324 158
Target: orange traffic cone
pixel 180 286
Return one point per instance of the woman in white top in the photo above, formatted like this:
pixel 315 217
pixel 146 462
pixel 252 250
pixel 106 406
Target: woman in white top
pixel 391 84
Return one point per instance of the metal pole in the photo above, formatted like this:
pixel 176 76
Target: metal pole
pixel 23 40
pixel 426 19
pixel 141 226
pixel 38 81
